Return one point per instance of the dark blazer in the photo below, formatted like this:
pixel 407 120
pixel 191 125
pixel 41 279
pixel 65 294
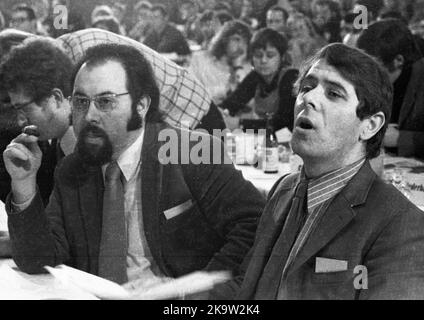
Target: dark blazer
pixel 214 234
pixel 411 117
pixel 368 224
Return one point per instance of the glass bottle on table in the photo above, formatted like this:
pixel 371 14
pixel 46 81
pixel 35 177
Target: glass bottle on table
pixel 270 155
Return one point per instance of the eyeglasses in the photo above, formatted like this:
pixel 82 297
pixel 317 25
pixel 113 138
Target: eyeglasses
pixel 19 107
pixel 104 103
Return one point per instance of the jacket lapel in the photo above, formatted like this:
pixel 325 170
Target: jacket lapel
pixel 90 186
pixel 152 176
pixel 267 234
pixel 337 216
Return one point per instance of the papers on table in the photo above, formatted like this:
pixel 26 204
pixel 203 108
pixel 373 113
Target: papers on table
pixel 66 283
pixel 178 288
pixel 105 289
pixel 13 286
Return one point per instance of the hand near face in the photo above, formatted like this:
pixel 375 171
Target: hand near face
pixel 22 159
pixel 392 136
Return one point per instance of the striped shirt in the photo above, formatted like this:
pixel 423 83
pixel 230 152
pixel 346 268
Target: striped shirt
pixel 321 191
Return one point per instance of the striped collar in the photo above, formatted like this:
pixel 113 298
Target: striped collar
pixel 330 184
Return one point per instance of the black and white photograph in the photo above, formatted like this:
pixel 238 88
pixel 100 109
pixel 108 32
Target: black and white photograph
pixel 211 154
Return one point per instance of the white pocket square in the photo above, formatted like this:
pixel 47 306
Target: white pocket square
pixel 324 265
pixel 177 210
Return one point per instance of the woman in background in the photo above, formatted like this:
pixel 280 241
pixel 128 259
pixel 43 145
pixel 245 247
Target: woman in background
pixel 270 84
pixel 305 41
pixel 227 53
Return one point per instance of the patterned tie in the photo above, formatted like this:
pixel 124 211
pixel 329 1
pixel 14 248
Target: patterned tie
pixel 113 244
pixel 269 283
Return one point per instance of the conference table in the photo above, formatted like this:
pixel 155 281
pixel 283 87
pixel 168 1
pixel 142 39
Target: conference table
pixel 15 284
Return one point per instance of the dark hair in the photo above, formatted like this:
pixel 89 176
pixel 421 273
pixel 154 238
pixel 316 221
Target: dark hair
pixel 24 7
pixel 10 38
pixel 220 42
pixel 37 66
pixel 332 5
pixel 385 39
pixel 267 36
pixel 140 77
pixel 161 8
pixel 109 21
pixel 371 82
pixel 281 9
pixel 392 14
pixel 350 17
pixel 222 15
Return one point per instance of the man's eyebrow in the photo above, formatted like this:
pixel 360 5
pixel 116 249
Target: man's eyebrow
pixel 309 77
pixel 77 92
pixel 336 84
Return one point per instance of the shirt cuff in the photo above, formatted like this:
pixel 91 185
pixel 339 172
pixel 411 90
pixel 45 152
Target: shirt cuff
pixel 17 208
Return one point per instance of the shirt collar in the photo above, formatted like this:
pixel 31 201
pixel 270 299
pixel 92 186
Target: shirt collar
pixel 130 159
pixel 335 173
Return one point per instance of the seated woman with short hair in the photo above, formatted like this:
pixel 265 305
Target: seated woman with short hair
pixel 270 84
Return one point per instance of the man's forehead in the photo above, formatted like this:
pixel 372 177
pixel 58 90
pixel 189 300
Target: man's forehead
pixel 321 70
pixel 109 73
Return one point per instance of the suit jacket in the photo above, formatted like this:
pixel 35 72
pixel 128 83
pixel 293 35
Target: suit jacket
pixel 411 117
pixel 215 233
pixel 369 223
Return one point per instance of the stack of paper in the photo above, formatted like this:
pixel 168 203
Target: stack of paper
pixel 105 289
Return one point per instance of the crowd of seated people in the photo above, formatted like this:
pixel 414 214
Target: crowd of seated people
pixel 212 39
pixel 211 64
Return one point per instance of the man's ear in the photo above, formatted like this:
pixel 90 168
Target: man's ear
pixel 143 106
pixel 399 62
pixel 58 94
pixel 371 125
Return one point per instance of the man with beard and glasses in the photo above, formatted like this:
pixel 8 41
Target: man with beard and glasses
pixel 36 76
pixel 336 230
pixel 117 210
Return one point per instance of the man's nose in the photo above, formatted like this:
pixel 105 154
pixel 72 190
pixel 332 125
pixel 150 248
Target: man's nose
pixel 92 114
pixel 311 98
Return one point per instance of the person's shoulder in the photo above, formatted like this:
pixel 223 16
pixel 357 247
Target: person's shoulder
pixel 283 184
pixel 389 203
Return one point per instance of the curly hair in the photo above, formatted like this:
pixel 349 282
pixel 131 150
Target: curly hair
pixel 37 66
pixel 219 43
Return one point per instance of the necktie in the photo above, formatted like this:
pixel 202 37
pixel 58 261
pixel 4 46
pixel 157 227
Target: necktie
pixel 269 283
pixel 113 243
